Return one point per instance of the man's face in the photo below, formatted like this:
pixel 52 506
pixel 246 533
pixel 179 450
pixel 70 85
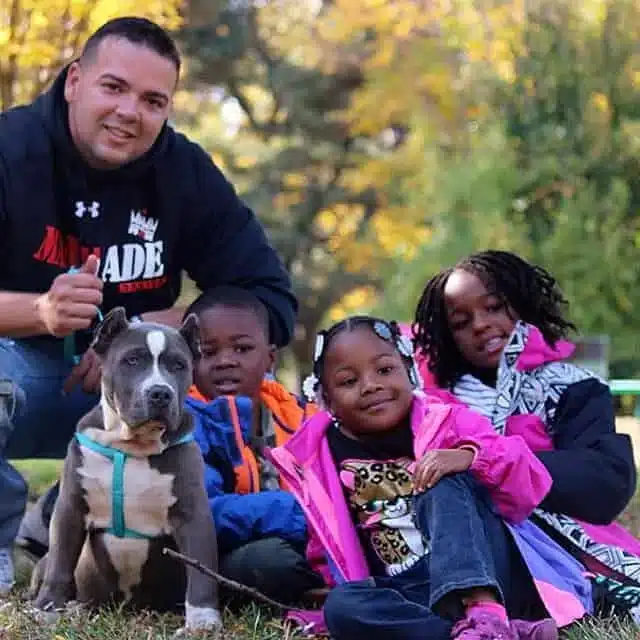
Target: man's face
pixel 118 102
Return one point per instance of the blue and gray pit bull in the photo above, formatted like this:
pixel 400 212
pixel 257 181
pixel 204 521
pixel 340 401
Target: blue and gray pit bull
pixel 133 483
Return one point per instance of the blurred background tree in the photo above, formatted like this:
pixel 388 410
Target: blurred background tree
pixel 38 37
pixel 548 167
pixel 380 140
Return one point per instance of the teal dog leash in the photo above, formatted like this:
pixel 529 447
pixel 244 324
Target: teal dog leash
pixel 70 354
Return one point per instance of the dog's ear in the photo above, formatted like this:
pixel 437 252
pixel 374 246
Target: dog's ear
pixel 114 323
pixel 190 331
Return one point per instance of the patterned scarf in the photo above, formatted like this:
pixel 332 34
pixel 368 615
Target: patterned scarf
pixel 534 392
pixel 537 392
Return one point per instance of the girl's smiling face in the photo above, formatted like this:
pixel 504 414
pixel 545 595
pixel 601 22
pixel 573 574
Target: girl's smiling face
pixel 480 321
pixel 366 383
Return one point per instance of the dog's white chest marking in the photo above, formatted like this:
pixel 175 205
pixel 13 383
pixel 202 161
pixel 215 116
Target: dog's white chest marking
pixel 128 556
pixel 147 497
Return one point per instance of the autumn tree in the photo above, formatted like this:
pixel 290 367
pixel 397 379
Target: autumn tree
pixel 549 166
pixel 286 124
pixel 38 37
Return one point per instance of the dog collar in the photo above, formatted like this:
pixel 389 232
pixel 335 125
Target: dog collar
pixel 118 457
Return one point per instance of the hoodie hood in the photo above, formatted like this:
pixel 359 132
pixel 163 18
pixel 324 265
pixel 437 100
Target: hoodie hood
pixel 531 349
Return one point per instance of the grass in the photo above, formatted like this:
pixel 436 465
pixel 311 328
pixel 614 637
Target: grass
pixel 16 623
pixel 39 474
pixel 250 623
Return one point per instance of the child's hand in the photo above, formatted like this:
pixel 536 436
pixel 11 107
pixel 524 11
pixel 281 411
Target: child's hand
pixel 439 463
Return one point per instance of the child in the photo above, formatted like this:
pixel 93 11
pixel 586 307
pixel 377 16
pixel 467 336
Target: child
pixel 261 529
pixel 492 330
pixel 410 566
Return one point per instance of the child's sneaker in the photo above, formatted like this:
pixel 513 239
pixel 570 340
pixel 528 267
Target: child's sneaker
pixel 540 630
pixel 7 574
pixel 483 626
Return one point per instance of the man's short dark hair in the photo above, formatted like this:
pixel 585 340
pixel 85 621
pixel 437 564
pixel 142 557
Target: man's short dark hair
pixel 231 298
pixel 140 31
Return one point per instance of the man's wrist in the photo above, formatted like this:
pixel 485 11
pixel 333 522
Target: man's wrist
pixel 39 324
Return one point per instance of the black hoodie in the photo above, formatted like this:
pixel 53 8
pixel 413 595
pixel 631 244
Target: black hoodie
pixel 170 210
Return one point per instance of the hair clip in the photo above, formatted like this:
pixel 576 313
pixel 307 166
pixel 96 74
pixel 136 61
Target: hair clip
pixel 310 387
pixel 383 330
pixel 318 348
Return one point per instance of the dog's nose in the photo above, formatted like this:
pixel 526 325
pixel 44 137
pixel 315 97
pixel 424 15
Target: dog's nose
pixel 159 396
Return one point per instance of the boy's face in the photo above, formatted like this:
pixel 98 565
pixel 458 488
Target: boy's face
pixel 479 321
pixel 236 353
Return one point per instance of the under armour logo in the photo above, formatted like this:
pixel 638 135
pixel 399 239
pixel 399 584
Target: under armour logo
pixel 93 209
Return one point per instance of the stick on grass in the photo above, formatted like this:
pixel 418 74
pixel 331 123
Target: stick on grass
pixel 226 582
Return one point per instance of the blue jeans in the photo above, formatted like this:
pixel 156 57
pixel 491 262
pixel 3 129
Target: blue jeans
pixel 469 547
pixel 40 424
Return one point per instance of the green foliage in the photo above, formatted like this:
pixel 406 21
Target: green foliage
pixel 549 168
pixel 291 150
pixel 38 37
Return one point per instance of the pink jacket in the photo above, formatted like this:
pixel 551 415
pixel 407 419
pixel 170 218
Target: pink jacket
pixel 515 478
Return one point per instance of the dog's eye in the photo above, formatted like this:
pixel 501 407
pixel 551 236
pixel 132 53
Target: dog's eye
pixel 132 361
pixel 176 365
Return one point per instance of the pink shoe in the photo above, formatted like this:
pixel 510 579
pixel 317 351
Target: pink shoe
pixel 483 626
pixel 540 630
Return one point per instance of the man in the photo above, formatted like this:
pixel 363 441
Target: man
pixel 103 204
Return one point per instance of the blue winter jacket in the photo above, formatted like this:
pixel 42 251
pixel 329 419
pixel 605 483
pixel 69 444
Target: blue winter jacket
pixel 239 519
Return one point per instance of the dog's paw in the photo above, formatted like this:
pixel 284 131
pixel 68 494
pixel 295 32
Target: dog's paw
pixel 46 615
pixel 75 608
pixel 215 633
pixel 47 607
pixel 187 634
pixel 200 619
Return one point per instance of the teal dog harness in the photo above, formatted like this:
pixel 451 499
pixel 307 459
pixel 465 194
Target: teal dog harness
pixel 119 458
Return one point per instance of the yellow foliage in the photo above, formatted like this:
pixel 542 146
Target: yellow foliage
pixel 356 301
pixel 397 234
pixel 327 221
pixel 347 218
pixel 288 26
pixel 219 161
pixel 38 37
pixel 295 180
pixel 600 101
pixel 246 162
pixel 359 257
pixel 287 199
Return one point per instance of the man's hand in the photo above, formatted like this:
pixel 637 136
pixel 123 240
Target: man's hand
pixel 72 302
pixel 439 463
pixel 87 372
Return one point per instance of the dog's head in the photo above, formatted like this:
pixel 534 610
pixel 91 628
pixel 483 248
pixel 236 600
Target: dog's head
pixel 147 369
